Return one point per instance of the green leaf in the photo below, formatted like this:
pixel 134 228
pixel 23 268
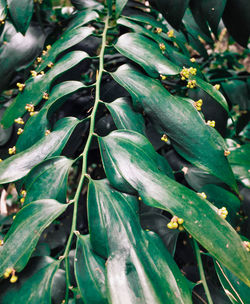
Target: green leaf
pixel 37 125
pixel 198 143
pixel 17 166
pixel 67 40
pixel 119 5
pixel 134 158
pixel 172 10
pixel 82 17
pixel 237 93
pixel 48 180
pixel 131 271
pixel 37 289
pixel 20 242
pixel 147 19
pixel 125 117
pixel 236 19
pixel 234 288
pixel 146 53
pixel 3 9
pixel 21 13
pixel 240 162
pixel 212 11
pixel 35 87
pixel 18 51
pixel 109 4
pixel 90 272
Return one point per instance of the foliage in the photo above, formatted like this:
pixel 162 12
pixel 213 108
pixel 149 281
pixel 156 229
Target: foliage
pixel 128 128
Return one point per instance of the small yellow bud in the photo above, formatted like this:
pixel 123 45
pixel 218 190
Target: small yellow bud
pixel 39 59
pixel 6 275
pixel 191 84
pixel 20 86
pixel 217 86
pixel 180 221
pixel 1 160
pixel 19 131
pixel 202 194
pixel 163 77
pixel 23 192
pixel 42 73
pixel 48 47
pixel 50 65
pixel 211 123
pixel 158 30
pixel 174 225
pixel 47 132
pixel 22 200
pixel 170 33
pixel 13 279
pixel 33 113
pixel 2 21
pixel 222 212
pixel 170 225
pixel 19 121
pixel 12 150
pixel 33 73
pixel 45 96
pixel 162 47
pixel 226 153
pixel 198 104
pixel 164 138
pixel 192 59
pixel 181 228
pixel 246 244
pixel 29 107
pixel 1 242
pixel 13 217
pixel 44 52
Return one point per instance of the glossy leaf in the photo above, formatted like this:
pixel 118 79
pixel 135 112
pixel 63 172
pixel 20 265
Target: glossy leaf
pixel 90 272
pixel 48 180
pixel 3 9
pixel 147 19
pixel 67 40
pixel 196 142
pixel 37 125
pixel 21 13
pixel 17 166
pixel 119 5
pixel 172 10
pixel 82 18
pixel 235 289
pixel 125 117
pixel 134 158
pixel 240 162
pixel 35 87
pixel 37 289
pixel 132 274
pixel 236 19
pixel 18 51
pixel 147 53
pixel 237 93
pixel 20 242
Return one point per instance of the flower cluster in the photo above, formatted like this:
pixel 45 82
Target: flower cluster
pixel 211 123
pixel 226 152
pixel 223 212
pixel 23 194
pixel 19 131
pixel 175 223
pixel 10 271
pixel 164 138
pixel 246 244
pixel 19 121
pixel 202 194
pixel 162 47
pixel 12 150
pixel 29 107
pixel 198 104
pixel 170 33
pixel 20 86
pixel 191 84
pixel 185 72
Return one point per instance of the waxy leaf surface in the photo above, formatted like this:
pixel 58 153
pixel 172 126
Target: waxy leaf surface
pixel 20 242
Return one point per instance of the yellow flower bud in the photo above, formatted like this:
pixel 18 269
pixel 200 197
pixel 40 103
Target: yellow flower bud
pixel 217 86
pixel 45 96
pixel 170 33
pixel 29 107
pixel 226 153
pixel 20 86
pixel 180 221
pixel 158 30
pixel 39 59
pixel 19 121
pixel 202 194
pixel 12 150
pixel 19 131
pixel 162 47
pixel 211 123
pixel 13 279
pixel 33 113
pixel 192 59
pixel 164 138
pixel 163 77
pixel 50 65
pixel 48 47
pixel 47 132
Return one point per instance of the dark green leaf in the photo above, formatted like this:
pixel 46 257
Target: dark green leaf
pixel 20 242
pixel 236 19
pixel 3 9
pixel 81 18
pixel 37 86
pixel 21 13
pixel 36 289
pixel 67 40
pixel 90 272
pixel 234 288
pixel 237 93
pixel 131 271
pixel 37 125
pixel 173 10
pixel 196 142
pixel 109 4
pixel 147 53
pixel 119 5
pixel 125 117
pixel 17 166
pixel 48 180
pixel 134 158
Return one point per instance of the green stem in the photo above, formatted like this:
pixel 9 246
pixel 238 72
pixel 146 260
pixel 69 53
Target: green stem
pixel 201 270
pixel 85 156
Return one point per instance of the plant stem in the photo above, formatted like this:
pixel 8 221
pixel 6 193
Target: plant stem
pixel 201 270
pixel 85 155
